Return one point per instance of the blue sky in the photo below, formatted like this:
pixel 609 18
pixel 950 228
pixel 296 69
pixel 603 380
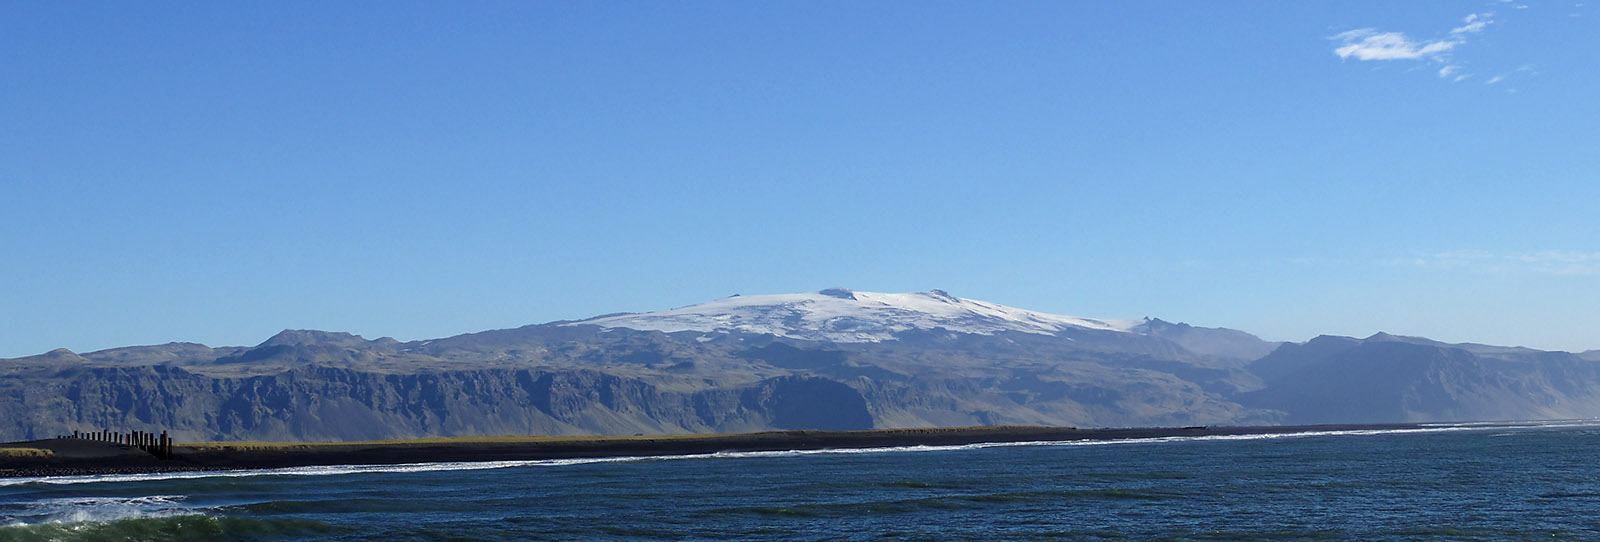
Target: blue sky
pixel 215 173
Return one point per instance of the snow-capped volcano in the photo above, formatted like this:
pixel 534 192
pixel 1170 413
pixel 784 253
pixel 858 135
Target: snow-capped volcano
pixel 840 315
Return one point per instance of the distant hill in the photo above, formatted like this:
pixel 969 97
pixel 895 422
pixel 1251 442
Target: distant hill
pixel 835 359
pixel 1391 378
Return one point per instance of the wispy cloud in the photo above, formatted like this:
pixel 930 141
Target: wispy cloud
pixel 1475 23
pixel 1551 262
pixel 1450 259
pixel 1453 73
pixel 1370 44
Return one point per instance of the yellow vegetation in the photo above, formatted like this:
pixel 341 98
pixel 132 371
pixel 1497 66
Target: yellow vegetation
pixel 25 452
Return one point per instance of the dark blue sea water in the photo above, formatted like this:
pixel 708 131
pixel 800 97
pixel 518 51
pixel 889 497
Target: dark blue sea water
pixel 1452 483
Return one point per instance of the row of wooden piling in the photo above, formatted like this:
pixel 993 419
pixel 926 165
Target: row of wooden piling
pixel 157 445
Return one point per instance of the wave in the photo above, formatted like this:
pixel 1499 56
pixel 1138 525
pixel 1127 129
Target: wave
pixel 152 517
pixel 94 509
pixel 170 528
pixel 1575 422
pixel 955 502
pixel 332 470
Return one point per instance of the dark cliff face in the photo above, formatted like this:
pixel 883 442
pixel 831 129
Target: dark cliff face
pixel 808 403
pixel 330 404
pixel 556 380
pixel 326 404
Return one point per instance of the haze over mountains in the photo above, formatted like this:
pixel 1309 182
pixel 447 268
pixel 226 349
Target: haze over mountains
pixel 834 359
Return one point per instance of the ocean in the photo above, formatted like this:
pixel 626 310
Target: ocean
pixel 1447 482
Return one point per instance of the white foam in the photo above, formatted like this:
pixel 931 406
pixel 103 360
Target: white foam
pixel 99 509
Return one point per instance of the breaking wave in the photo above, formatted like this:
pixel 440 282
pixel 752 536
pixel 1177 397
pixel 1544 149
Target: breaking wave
pixel 96 509
pixel 154 517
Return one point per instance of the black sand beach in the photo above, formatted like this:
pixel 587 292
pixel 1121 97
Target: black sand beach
pixel 62 457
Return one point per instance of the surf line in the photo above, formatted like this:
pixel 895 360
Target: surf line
pixel 332 470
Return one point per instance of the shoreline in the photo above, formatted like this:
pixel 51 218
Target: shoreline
pixel 77 457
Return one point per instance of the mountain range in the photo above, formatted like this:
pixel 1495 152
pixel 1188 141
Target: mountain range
pixel 834 359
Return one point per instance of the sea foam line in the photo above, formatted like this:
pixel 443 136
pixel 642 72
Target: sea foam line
pixel 330 470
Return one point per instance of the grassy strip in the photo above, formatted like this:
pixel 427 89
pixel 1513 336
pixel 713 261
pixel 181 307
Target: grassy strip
pixel 25 452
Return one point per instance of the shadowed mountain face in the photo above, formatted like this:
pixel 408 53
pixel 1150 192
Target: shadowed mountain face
pixel 1391 378
pixel 832 360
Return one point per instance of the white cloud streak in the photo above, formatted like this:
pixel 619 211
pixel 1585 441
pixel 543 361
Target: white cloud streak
pixel 1475 23
pixel 1371 44
pixel 1548 262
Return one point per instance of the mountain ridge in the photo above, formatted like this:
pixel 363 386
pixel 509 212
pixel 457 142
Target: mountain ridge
pixel 771 362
